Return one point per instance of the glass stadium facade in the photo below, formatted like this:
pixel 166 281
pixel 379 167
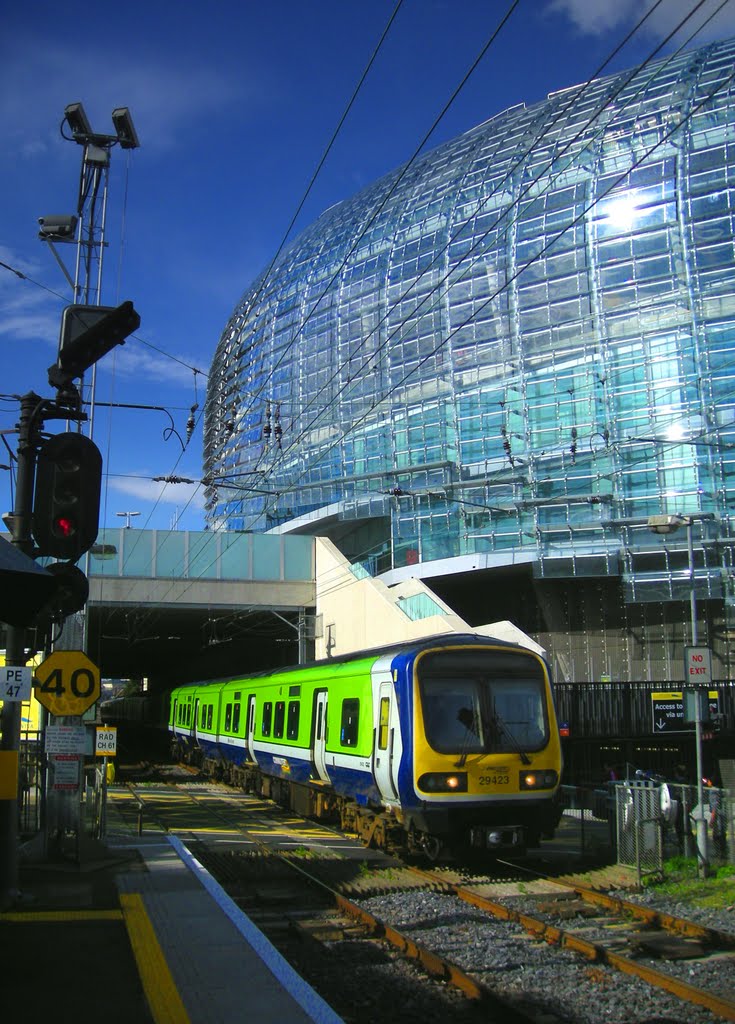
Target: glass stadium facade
pixel 511 353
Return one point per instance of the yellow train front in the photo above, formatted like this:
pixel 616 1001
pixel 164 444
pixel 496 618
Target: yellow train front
pixel 486 757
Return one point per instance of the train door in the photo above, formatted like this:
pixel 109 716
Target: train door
pixel 195 719
pixel 250 748
pixel 319 742
pixel 387 747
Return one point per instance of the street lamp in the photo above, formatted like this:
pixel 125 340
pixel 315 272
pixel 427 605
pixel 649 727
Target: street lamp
pixel 128 516
pixel 665 525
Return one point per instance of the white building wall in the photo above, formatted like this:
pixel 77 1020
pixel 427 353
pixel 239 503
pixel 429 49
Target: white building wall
pixel 357 614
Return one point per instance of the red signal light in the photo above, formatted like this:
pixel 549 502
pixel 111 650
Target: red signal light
pixel 64 526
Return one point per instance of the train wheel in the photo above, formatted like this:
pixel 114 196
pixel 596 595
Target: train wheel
pixel 431 847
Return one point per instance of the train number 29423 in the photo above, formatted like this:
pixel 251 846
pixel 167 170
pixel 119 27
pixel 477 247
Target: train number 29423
pixel 494 780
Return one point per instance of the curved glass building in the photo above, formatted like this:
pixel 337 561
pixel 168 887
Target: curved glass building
pixel 494 366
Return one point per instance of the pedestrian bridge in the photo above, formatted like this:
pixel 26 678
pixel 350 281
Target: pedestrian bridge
pixel 212 569
pixel 174 604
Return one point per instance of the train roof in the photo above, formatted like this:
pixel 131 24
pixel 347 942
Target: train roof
pixel 417 645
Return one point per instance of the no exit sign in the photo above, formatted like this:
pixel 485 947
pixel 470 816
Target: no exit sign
pixel 697 666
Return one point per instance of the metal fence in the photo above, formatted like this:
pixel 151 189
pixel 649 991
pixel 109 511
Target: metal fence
pixel 640 824
pixel 30 783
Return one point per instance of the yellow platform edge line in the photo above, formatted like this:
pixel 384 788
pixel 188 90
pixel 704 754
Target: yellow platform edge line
pixel 158 984
pixel 32 916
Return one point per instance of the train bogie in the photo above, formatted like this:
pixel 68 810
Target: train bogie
pixel 447 743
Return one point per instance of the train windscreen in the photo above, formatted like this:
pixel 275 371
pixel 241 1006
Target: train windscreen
pixel 482 702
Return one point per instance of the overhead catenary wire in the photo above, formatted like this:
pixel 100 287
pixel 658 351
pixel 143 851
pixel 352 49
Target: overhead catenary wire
pixel 284 455
pixel 488 43
pixel 458 274
pixel 400 176
pixel 621 176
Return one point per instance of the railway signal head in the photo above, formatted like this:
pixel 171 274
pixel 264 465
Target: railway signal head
pixel 87 334
pixel 66 504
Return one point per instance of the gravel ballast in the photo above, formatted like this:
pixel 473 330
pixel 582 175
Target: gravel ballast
pixel 560 985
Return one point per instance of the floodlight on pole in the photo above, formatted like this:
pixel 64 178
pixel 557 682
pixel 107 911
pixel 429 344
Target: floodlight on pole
pixel 76 117
pixel 128 517
pixel 126 135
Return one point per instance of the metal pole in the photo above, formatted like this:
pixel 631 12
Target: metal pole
pixel 702 853
pixel 692 589
pixel 701 824
pixel 20 529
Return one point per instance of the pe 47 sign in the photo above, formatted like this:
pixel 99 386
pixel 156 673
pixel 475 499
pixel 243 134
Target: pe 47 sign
pixel 67 683
pixel 15 682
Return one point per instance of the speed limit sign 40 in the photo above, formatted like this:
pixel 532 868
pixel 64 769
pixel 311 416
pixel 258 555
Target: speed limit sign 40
pixel 67 683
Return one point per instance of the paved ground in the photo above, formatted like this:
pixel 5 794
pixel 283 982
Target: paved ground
pixel 65 949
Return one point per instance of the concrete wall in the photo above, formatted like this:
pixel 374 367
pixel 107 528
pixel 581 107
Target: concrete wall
pixel 362 613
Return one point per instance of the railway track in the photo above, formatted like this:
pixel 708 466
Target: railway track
pixel 321 896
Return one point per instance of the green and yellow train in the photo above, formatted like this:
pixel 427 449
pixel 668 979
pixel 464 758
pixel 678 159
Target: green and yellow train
pixel 440 745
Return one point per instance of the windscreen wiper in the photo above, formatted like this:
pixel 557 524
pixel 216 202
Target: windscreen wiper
pixel 466 717
pixel 500 724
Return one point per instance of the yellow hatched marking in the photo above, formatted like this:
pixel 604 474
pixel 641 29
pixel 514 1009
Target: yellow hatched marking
pixel 158 984
pixel 218 831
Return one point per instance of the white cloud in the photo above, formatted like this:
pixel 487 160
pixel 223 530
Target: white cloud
pixel 596 17
pixel 38 80
pixel 147 491
pixel 134 360
pixel 27 312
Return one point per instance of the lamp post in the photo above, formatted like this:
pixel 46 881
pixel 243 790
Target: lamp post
pixel 665 525
pixel 128 516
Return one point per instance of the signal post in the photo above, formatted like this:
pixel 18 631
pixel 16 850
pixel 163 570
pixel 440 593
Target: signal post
pixel 56 515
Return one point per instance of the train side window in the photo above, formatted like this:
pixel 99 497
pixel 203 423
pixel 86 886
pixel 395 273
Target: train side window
pixel 236 717
pixel 209 717
pixel 278 718
pixel 228 717
pixel 267 716
pixel 188 714
pixel 348 725
pixel 203 717
pixel 384 719
pixel 292 722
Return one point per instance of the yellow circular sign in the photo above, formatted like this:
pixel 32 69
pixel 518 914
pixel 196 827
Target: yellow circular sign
pixel 67 683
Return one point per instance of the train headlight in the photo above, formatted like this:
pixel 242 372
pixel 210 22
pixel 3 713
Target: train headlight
pixel 444 782
pixel 545 779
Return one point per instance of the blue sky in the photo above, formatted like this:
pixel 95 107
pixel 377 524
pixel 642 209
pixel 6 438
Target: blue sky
pixel 234 103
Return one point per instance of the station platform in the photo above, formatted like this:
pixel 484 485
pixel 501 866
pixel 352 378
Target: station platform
pixel 143 934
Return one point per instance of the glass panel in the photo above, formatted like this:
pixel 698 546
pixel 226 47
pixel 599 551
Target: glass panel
pixel 267 715
pixel 203 558
pixel 384 718
pixel 349 723
pixel 235 556
pixel 278 718
pixel 267 558
pixel 292 724
pixel 475 703
pixel 170 552
pixel 137 547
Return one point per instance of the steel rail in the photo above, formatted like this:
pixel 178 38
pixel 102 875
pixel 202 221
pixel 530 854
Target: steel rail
pixel 434 965
pixel 450 973
pixel 595 951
